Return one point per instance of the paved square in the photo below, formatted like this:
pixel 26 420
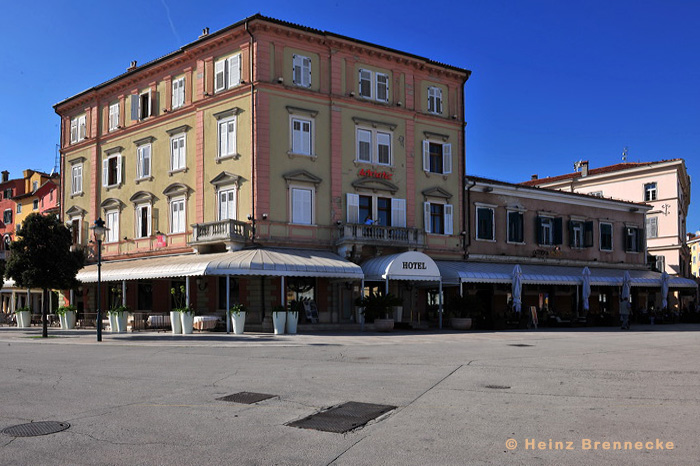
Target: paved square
pixel 461 398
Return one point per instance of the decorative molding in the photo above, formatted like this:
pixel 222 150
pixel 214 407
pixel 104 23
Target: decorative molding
pixel 437 192
pixel 303 111
pixel 114 150
pixel 302 176
pixel 178 130
pixel 76 211
pixel 374 123
pixel 177 189
pixel 432 135
pixel 146 140
pixel 227 113
pixel 112 203
pixel 226 178
pixel 375 184
pixel 141 197
pixel 77 160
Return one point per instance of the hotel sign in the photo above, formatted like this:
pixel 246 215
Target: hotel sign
pixel 367 173
pixel 414 266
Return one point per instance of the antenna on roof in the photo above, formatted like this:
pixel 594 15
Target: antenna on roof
pixel 624 154
pixel 577 165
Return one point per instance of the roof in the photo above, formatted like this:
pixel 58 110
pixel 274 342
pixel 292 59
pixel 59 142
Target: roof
pixel 262 262
pixel 595 171
pixel 260 17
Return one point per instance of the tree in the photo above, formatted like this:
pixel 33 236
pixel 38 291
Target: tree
pixel 41 257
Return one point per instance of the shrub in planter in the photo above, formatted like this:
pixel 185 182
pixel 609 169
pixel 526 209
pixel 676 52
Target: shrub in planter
pixel 295 308
pixel 24 317
pixel 464 311
pixel 118 317
pixel 67 315
pixel 186 313
pixel 279 319
pixel 237 313
pixel 379 308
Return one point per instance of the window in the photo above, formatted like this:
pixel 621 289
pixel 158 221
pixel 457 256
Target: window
pixel 178 95
pixel 143 221
pixel 650 192
pixel 484 224
pixel 580 234
pixel 145 296
pixel 75 230
pixel 177 215
pixel 114 116
pixel 302 206
pixel 227 137
pixel 301 72
pixel 515 227
pixel 7 216
pixel 112 170
pixel 437 218
pixel 78 129
pixel 35 185
pixel 141 106
pixel 434 100
pixel 652 226
pixel 373 146
pixel 437 157
pixel 19 208
pixel 112 225
pixel 177 152
pixel 143 161
pixel 301 136
pixel 373 85
pixel 227 73
pixel 227 204
pixel 383 211
pixel 35 205
pixel 634 239
pixel 606 240
pixel 548 231
pixel 8 193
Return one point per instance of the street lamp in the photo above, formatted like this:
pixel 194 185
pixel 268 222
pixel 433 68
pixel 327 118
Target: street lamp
pixel 99 231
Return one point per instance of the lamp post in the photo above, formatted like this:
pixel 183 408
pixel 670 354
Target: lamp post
pixel 99 231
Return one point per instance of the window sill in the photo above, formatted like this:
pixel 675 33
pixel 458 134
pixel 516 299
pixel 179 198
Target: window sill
pixel 179 170
pixel 518 243
pixel 375 165
pixel 228 157
pixel 141 180
pixel 292 155
pixel 486 240
pixel 112 186
pixel 80 194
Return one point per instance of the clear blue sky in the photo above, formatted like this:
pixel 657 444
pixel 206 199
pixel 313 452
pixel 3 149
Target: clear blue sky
pixel 553 81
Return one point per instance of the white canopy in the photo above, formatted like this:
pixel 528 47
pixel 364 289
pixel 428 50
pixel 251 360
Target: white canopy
pixel 266 262
pixel 411 265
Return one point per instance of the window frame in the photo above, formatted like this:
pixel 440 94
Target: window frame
pixel 224 68
pixel 225 121
pixel 492 211
pixel 600 237
pixel 234 199
pixel 182 152
pixel 368 85
pixel 446 157
pixel 181 222
pixel 139 208
pixel 651 192
pixel 141 159
pixel 651 225
pixel 113 117
pixel 521 215
pixel 435 100
pixel 106 175
pixel 112 233
pixel 5 215
pixel 292 205
pixel 177 98
pixel 447 213
pixel 76 187
pixel 374 145
pixel 299 62
pixel 78 128
pixel 310 137
pixel 145 111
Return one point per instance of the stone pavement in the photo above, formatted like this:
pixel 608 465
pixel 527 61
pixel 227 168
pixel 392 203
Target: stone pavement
pixel 462 398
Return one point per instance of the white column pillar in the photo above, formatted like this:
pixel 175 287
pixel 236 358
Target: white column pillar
pixel 187 291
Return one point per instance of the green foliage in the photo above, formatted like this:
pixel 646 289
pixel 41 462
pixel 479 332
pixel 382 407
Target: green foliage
pixel 118 311
pixel 296 306
pixel 378 306
pixel 236 309
pixel 2 269
pixel 279 309
pixel 180 298
pixel 41 257
pixel 468 305
pixel 63 310
pixel 24 309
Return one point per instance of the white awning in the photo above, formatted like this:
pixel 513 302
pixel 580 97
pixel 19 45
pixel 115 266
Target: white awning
pixel 266 262
pixel 455 272
pixel 409 265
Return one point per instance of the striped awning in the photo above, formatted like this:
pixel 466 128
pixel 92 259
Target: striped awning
pixel 262 261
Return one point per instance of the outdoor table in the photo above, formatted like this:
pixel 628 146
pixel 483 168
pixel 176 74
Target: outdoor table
pixel 205 322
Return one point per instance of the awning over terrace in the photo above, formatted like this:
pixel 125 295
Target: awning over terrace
pixel 262 262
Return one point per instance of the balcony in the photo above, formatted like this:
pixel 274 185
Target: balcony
pixel 231 233
pixel 375 235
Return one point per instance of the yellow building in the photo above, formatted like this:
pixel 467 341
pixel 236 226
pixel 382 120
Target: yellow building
pixel 276 140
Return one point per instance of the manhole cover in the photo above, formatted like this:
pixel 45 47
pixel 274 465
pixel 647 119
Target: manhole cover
pixel 247 398
pixel 521 345
pixel 34 429
pixel 498 387
pixel 343 418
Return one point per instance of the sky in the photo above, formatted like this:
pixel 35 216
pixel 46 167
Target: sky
pixel 553 81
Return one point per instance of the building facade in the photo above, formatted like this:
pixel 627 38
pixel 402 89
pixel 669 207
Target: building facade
pixel 665 185
pixel 693 242
pixel 265 135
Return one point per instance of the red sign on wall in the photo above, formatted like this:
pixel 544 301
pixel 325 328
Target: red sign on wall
pixel 366 172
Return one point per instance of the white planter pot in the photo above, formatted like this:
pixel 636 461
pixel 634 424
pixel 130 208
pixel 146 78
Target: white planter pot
pixel 62 320
pixel 175 323
pixel 68 320
pixel 24 319
pixel 238 321
pixel 187 322
pixel 279 319
pixel 292 320
pixel 112 322
pixel 122 321
pixel 398 313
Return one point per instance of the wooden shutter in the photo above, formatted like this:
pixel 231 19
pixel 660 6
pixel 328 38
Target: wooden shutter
pixel 398 213
pixel 234 70
pixel 449 219
pixel 426 216
pixel 306 72
pixel 353 208
pixel 446 158
pixel 640 239
pixel 538 230
pixel 588 234
pixel 74 130
pixel 219 75
pixel 558 235
pixel 426 155
pixel 382 86
pixel 365 83
pixel 105 172
pixel 438 100
pixel 134 107
pixel 119 169
pixel 296 69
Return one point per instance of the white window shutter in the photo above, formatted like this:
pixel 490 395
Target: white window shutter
pixel 438 100
pixel 398 213
pixel 234 70
pixel 426 216
pixel 296 69
pixel 306 137
pixel 119 169
pixel 147 160
pixel 448 219
pixel 231 138
pixel 219 75
pixel 151 103
pixel 306 71
pixel 353 213
pixel 446 158
pixel 382 87
pixel 82 128
pixel 105 172
pixel 181 152
pixel 365 83
pixel 134 107
pixel 296 136
pixel 426 155
pixel 139 163
pixel 74 130
pixel 174 94
pixel 223 136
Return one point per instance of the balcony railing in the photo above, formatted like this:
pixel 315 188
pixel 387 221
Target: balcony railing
pixel 227 231
pixel 380 235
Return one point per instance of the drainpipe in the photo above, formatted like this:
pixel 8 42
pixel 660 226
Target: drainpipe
pixel 467 218
pixel 252 127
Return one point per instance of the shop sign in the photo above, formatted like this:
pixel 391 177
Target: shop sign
pixel 414 266
pixel 366 172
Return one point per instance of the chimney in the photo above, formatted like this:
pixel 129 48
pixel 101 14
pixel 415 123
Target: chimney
pixel 534 177
pixel 205 33
pixel 132 66
pixel 5 175
pixel 584 168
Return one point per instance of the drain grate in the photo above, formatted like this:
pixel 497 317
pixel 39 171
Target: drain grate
pixel 247 398
pixel 35 429
pixel 498 387
pixel 520 345
pixel 343 418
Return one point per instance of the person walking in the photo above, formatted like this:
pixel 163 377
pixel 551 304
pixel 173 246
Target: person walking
pixel 625 309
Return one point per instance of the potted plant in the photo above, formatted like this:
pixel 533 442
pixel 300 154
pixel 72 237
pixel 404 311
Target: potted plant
pixel 24 317
pixel 378 308
pixel 237 313
pixel 186 319
pixel 181 312
pixel 293 316
pixel 67 316
pixel 121 316
pixel 462 310
pixel 279 319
